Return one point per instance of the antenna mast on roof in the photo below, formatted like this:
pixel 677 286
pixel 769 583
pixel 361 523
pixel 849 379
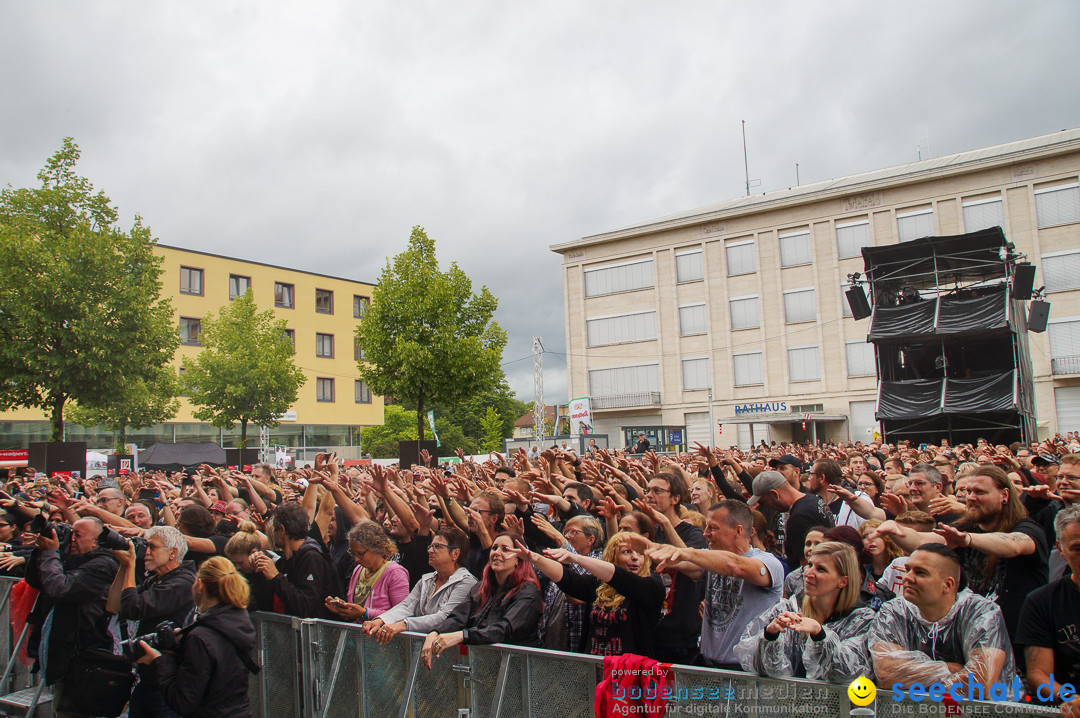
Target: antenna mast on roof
pixel 538 388
pixel 746 164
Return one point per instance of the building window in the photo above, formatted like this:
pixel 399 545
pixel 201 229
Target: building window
pixel 619 278
pixel 744 312
pixel 851 237
pixel 324 389
pixel 238 285
pixel 692 320
pixel 915 224
pixel 983 214
pixel 182 390
pixel 1058 205
pixel 795 249
pixel 283 295
pixel 290 334
pixel 748 369
pixel 190 329
pixel 324 345
pixel 1061 271
pixel 358 351
pixel 191 281
pixel 689 266
pixel 360 305
pixel 860 359
pixel 803 364
pixel 324 301
pixel 621 329
pixel 799 306
pixel 363 394
pixel 624 380
pixel 695 374
pixel 740 257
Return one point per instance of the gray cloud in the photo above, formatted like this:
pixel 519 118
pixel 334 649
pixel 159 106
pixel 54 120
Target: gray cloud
pixel 316 135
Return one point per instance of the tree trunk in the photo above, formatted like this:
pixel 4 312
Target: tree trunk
pixel 56 417
pixel 121 439
pixel 242 444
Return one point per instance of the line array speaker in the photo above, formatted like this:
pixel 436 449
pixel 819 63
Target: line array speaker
pixel 856 299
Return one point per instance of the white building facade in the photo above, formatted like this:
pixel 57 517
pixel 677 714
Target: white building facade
pixel 727 324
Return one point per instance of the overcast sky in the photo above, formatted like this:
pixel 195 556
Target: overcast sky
pixel 316 134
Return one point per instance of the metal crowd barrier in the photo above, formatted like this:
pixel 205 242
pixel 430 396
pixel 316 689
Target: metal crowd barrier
pixel 327 669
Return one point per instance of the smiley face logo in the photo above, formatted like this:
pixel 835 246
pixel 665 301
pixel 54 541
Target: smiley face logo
pixel 862 691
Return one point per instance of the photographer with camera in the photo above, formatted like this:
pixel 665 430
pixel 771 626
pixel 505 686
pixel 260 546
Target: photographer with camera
pixel 165 596
pixel 206 675
pixel 75 638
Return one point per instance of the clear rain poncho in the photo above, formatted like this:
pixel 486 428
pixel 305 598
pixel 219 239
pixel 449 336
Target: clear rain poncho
pixel 839 658
pixel 906 648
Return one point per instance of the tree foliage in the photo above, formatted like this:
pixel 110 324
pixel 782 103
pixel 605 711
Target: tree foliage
pixel 427 338
pixel 81 311
pixel 245 372
pixel 136 403
pixel 399 424
pixel 493 430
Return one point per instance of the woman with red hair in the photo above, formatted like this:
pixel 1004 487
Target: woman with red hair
pixel 505 606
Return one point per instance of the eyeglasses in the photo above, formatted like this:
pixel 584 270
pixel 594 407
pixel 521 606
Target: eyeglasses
pixel 4 526
pixel 571 533
pixel 1068 477
pixel 657 490
pixel 437 546
pixel 358 554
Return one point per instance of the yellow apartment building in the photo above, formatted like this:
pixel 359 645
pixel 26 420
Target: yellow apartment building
pixel 321 313
pixel 728 323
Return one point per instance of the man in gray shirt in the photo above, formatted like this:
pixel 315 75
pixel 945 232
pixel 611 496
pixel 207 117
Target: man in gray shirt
pixel 741 581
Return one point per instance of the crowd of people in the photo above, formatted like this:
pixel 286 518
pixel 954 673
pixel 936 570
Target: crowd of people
pixel 908 564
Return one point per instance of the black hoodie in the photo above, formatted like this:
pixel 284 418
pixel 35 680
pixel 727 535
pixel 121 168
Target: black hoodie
pixel 207 678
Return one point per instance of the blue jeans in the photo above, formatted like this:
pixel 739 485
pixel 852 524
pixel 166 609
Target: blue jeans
pixel 148 702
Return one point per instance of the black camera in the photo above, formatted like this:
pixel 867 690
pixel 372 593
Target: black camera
pixel 38 524
pixel 163 639
pixel 109 539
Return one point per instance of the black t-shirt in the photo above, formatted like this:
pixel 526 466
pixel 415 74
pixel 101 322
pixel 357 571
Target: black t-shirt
pixel 680 623
pixel 804 514
pixel 1012 579
pixel 413 555
pixel 1051 619
pixel 219 541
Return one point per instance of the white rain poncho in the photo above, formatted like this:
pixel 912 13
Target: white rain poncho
pixel 839 658
pixel 906 648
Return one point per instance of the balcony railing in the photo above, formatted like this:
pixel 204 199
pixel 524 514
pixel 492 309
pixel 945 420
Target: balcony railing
pixel 1066 365
pixel 626 401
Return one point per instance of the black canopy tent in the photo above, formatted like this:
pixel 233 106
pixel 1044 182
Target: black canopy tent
pixel 180 457
pixel 950 342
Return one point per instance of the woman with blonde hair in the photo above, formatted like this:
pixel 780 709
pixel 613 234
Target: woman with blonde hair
pixel 201 677
pixel 824 638
pixel 625 594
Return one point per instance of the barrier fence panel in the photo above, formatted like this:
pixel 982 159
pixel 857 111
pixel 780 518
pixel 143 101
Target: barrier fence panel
pixel 20 677
pixel 276 691
pixel 735 694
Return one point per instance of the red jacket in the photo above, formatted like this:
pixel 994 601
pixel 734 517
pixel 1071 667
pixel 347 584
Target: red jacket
pixel 631 681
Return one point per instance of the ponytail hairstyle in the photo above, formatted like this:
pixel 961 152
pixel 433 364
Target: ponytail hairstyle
pixel 522 574
pixel 244 541
pixel 222 581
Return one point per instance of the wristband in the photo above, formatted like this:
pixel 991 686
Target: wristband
pixel 819 636
pixel 465 636
pixel 770 636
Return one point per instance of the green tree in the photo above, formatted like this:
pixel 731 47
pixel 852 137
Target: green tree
pixel 136 403
pixel 245 372
pixel 427 338
pixel 81 310
pixel 493 430
pixel 381 442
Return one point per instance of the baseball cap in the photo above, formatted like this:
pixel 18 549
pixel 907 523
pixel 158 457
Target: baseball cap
pixel 785 459
pixel 765 482
pixel 1044 458
pixel 218 506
